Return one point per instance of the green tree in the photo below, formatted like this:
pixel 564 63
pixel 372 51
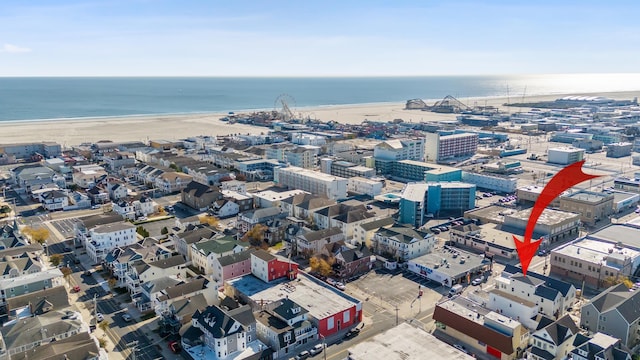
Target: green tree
pixel 66 271
pixel 104 325
pixel 56 259
pixel 255 236
pixel 164 231
pixel 209 220
pixel 112 282
pixel 142 231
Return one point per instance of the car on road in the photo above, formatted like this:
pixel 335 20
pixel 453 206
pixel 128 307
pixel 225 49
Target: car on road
pixel 476 281
pixel 67 249
pixel 340 285
pixel 69 315
pixel 87 273
pixel 126 317
pixel 352 333
pixel 142 218
pixel 95 207
pixel 99 317
pixel 542 252
pixel 316 349
pixel 435 231
pixel 461 348
pixel 175 347
pixel 76 288
pixel 303 355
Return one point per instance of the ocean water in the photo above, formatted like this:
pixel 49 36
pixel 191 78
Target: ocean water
pixel 52 98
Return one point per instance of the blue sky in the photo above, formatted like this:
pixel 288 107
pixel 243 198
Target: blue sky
pixel 319 38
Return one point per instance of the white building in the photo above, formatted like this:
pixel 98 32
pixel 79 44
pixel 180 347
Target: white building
pixel 505 184
pixel 565 155
pixel 308 139
pixel 400 149
pixel 104 238
pixel 86 176
pixel 402 242
pixel 364 186
pixel 315 182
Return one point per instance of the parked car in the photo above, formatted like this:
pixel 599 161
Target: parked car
pixel 303 355
pixel 126 317
pixel 67 249
pixel 70 315
pixel 316 349
pixel 340 285
pixel 95 207
pixel 352 333
pixel 87 273
pixel 435 231
pixel 142 218
pixel 331 281
pixel 476 281
pixel 99 317
pixel 76 288
pixel 461 348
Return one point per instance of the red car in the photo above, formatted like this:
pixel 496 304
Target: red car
pixel 76 288
pixel 175 347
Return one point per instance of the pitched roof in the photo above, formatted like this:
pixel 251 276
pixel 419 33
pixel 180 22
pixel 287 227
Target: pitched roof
pixel 100 219
pixel 190 306
pixel 204 232
pixel 235 258
pixel 216 322
pixel 170 262
pixel 560 330
pixel 157 285
pixel 351 255
pixel 56 298
pixel 401 233
pixel 197 189
pixel 264 255
pixel 79 346
pixel 322 234
pixel 611 298
pixel 183 288
pixel 354 216
pixel 288 309
pixel 374 225
pixel 562 286
pixel 32 329
pixel 218 246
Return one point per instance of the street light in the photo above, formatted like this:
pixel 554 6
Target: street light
pixel 324 346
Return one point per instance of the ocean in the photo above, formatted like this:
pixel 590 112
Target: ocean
pixel 81 97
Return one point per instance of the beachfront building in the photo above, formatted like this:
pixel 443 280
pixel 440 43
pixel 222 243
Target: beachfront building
pixel 412 170
pixel 421 201
pixel 21 151
pixel 442 147
pixel 86 176
pixel 400 149
pixel 301 157
pixel 346 169
pixel 360 185
pixel 315 182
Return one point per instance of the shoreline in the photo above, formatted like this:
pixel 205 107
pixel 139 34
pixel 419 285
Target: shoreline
pixel 174 126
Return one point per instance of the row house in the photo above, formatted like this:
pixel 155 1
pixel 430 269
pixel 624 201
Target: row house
pixel 205 173
pixel 244 201
pixel 231 266
pixel 15 266
pixel 132 209
pixel 402 243
pixel 98 194
pixel 29 283
pixel 145 272
pixel 191 235
pixel 268 267
pixel 285 328
pixel 312 243
pixel 599 346
pixel 102 239
pixel 203 253
pixel 116 160
pixel 170 182
pixel 179 313
pixel 87 176
pixel 352 262
pixel 121 259
pixel 304 205
pixel 249 219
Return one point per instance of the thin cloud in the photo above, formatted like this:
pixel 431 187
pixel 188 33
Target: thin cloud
pixel 14 49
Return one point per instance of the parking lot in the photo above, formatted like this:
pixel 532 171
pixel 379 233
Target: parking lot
pixel 66 227
pixel 398 288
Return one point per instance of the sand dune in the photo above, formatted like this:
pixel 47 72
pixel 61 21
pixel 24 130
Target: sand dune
pixel 172 127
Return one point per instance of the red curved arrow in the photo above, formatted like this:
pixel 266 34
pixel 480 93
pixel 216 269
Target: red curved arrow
pixel 563 180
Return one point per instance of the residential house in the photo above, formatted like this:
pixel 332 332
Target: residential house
pixel 224 208
pixel 224 333
pixel 101 239
pixel 204 252
pixel 98 195
pixel 285 328
pixel 614 312
pixel 191 235
pixel 303 205
pixel 33 332
pixel 312 243
pixel 231 266
pixel 29 283
pixel 268 267
pixel 170 182
pixel 249 219
pixel 352 262
pixel 38 302
pixel 244 201
pixel 87 176
pixel 599 346
pixel 26 263
pixel 28 176
pixel 79 346
pixel 116 160
pixel 125 209
pixel 205 173
pixel 145 272
pixel 145 300
pixel 553 340
pixel 121 259
pixel 184 289
pixel 199 196
pixel 364 232
pixel 116 190
pixel 54 200
pixel 402 242
pixel 349 221
pixel 179 312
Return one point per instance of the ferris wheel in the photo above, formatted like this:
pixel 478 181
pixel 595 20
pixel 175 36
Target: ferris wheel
pixel 283 105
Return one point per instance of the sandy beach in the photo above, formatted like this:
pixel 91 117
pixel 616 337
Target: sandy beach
pixel 173 127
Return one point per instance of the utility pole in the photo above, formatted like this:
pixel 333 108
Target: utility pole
pixel 397 314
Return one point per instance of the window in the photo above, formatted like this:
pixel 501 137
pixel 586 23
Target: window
pixel 329 322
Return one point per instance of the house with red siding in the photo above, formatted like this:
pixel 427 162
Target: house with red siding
pixel 268 267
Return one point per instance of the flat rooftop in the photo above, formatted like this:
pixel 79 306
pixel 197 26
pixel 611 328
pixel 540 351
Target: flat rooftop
pixel 566 149
pixel 414 191
pixel 492 234
pixel 319 299
pixel 629 235
pixel 588 196
pixel 548 216
pixel 594 251
pixel 405 342
pixel 493 213
pixel 449 261
pixel 310 173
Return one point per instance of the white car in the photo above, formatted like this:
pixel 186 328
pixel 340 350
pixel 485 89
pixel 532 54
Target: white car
pixel 126 317
pixel 316 349
pixel 331 282
pixel 99 317
pixel 142 218
pixel 476 281
pixel 339 285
